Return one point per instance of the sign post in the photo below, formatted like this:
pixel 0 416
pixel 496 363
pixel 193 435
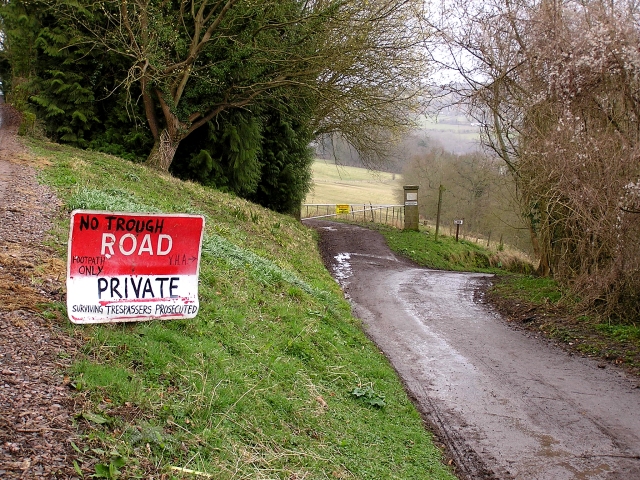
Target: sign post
pixel 411 213
pixel 127 267
pixel 457 223
pixel 440 191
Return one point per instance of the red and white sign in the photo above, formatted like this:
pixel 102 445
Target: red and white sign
pixel 126 267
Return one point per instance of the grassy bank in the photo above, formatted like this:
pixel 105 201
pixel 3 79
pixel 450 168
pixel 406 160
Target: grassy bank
pixel 447 254
pixel 272 379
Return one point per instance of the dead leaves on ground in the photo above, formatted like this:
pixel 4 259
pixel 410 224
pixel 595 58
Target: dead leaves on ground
pixel 28 278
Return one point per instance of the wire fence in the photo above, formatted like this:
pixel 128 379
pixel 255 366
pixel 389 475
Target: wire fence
pixel 356 212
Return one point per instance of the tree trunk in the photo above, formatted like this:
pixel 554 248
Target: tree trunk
pixel 542 252
pixel 163 151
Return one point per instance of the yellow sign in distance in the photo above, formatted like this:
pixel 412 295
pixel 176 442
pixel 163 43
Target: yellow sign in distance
pixel 342 209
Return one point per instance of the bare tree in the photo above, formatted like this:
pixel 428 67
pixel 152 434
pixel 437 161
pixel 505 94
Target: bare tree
pixel 476 190
pixel 556 87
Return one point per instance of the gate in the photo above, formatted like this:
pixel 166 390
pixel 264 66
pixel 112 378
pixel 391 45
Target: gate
pixel 356 212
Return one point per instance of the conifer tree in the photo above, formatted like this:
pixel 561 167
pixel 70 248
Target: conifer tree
pixel 286 162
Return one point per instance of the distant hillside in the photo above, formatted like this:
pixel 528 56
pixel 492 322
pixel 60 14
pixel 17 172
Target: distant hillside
pixel 450 129
pixel 456 133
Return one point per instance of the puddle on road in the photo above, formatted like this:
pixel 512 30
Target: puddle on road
pixel 377 257
pixel 342 268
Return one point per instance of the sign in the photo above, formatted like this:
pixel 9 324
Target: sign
pixel 125 267
pixel 457 222
pixel 342 209
pixel 412 196
pixel 410 202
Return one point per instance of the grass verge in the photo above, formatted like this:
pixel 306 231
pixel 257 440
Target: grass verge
pixel 542 305
pixel 272 379
pixel 447 254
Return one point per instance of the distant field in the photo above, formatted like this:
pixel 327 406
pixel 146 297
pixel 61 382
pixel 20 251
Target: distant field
pixel 336 184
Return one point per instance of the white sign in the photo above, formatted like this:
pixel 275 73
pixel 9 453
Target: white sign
pixel 457 222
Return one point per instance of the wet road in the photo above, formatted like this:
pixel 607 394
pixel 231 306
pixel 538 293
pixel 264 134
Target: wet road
pixel 509 405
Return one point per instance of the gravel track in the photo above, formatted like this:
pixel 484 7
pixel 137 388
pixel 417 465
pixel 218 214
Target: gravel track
pixel 36 419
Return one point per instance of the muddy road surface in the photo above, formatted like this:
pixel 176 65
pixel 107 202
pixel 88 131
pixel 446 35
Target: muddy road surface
pixel 506 404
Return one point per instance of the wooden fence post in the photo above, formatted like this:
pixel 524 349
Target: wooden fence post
pixel 440 190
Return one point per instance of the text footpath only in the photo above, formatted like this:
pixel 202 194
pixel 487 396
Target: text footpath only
pixel 132 267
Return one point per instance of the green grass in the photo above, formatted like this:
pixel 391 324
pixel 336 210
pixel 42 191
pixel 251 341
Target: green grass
pixel 326 170
pixel 532 289
pixel 459 126
pixel 447 254
pixel 273 379
pixel 620 333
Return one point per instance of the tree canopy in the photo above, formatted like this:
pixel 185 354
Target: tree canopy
pixel 127 76
pixel 355 64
